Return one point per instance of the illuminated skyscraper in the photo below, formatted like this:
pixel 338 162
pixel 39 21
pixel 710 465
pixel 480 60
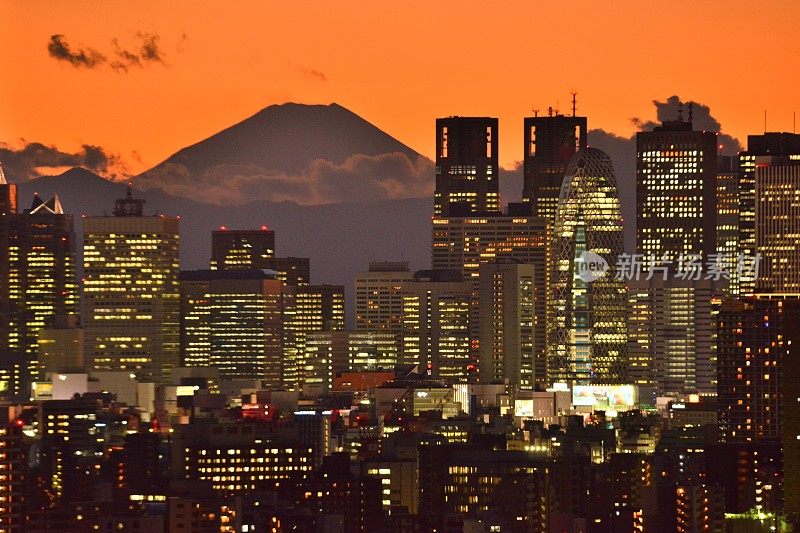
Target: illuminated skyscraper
pixel 676 171
pixel 307 309
pixel 130 291
pixel 550 142
pixel 233 320
pixel 586 315
pixel 39 285
pixel 778 224
pixel 466 166
pixel 464 243
pixel 506 316
pixel 436 324
pixel 429 312
pixel 772 144
pixel 233 249
pixel 728 232
pixel 672 335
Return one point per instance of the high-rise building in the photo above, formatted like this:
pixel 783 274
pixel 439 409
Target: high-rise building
pixel 778 224
pixel 728 204
pixel 550 142
pixel 676 171
pixel 672 335
pixel 467 168
pixel 463 243
pixel 772 144
pixel 757 344
pixel 758 399
pixel 39 285
pixel 254 249
pixel 131 307
pixel 307 309
pixel 233 320
pixel 506 316
pixel 379 300
pixel 236 249
pixel 436 325
pixel 586 306
pixel 428 311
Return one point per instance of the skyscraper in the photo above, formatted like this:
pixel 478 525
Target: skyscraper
pixel 233 320
pixel 772 144
pixel 778 224
pixel 307 309
pixel 672 335
pixel 464 243
pixel 38 287
pixel 130 296
pixel 586 315
pixel 550 142
pixel 233 249
pixel 728 232
pixel 466 166
pixel 676 171
pixel 507 313
pixel 379 299
pixel 436 324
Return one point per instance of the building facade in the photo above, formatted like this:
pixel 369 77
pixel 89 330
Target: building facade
pixel 586 314
pixel 131 307
pixel 467 168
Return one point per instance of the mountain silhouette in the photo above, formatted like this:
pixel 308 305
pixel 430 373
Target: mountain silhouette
pixel 309 154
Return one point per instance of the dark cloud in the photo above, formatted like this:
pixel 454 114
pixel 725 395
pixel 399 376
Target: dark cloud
pixel 59 49
pixel 150 50
pixel 313 73
pixel 360 177
pixel 702 119
pixel 622 151
pixel 120 59
pixel 36 159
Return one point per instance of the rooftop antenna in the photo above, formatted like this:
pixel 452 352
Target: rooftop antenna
pixel 765 121
pixel 574 103
pixel 535 112
pixel 550 111
pixel 794 121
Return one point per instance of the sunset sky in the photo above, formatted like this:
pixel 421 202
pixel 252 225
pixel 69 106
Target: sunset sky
pixel 398 65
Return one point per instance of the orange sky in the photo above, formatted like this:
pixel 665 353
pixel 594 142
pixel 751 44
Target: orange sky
pixel 398 64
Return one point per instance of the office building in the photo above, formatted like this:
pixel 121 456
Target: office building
pixel 130 292
pixel 550 142
pixel 8 195
pixel 235 249
pixel 236 458
pixel 676 169
pixel 772 144
pixel 778 224
pixel 436 325
pixel 292 271
pixel 506 316
pixel 672 336
pixel 464 243
pixel 467 169
pixel 39 285
pixel 379 301
pixel 233 320
pixel 728 233
pixel 586 306
pixel 307 309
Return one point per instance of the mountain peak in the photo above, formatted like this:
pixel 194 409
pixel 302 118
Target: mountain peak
pixel 306 153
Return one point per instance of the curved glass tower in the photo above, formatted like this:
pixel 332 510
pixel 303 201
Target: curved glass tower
pixel 586 332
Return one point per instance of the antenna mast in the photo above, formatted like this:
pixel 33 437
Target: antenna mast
pixel 574 103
